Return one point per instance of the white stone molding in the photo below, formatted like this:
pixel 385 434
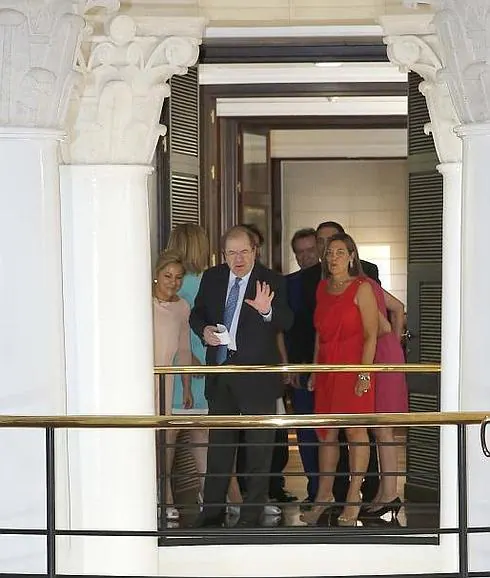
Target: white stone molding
pixel 39 41
pixel 464 31
pixel 420 52
pixel 116 117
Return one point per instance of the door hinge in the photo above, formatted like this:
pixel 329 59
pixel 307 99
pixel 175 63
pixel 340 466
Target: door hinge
pixel 239 187
pixel 213 172
pixel 212 114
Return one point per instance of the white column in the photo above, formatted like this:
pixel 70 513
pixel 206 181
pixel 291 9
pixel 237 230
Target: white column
pixel 412 44
pixel 38 43
pixel 107 276
pixel 450 336
pixel 464 39
pixel 451 282
pixel 31 329
pixel 475 324
pixel 109 371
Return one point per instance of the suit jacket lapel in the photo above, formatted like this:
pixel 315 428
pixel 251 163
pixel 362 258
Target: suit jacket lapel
pixel 221 290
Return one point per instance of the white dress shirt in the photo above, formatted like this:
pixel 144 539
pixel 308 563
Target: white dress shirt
pixel 236 315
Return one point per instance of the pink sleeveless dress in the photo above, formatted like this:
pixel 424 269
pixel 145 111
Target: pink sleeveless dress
pixel 391 394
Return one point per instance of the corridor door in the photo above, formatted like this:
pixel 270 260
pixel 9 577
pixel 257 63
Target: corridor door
pixel 254 184
pixel 425 197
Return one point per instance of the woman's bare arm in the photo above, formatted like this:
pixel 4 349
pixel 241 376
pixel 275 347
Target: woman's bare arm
pixel 368 308
pixel 397 313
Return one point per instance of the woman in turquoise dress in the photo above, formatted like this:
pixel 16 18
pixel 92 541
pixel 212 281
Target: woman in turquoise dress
pixel 191 241
pixel 190 286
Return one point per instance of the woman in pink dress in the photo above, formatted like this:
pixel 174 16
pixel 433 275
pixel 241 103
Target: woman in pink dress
pixel 171 344
pixel 391 397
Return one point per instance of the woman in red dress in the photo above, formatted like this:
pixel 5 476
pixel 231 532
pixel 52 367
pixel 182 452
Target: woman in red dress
pixel 346 321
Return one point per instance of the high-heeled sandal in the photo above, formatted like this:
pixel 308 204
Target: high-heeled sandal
pixel 343 521
pixel 347 521
pixel 314 514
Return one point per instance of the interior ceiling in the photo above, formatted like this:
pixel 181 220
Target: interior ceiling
pixel 344 73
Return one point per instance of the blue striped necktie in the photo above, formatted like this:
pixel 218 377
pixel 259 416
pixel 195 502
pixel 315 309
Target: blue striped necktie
pixel 230 308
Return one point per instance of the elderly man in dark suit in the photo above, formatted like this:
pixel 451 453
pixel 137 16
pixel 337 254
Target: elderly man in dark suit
pixel 250 301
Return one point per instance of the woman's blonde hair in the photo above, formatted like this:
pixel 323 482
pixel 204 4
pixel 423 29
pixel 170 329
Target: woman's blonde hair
pixel 167 258
pixel 191 241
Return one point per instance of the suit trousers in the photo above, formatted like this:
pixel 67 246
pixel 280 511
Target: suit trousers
pixel 222 450
pixel 280 457
pixel 302 400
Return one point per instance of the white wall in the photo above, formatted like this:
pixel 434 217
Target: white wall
pixel 274 13
pixel 368 197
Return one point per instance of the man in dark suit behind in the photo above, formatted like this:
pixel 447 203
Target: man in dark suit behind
pixel 311 277
pixel 304 246
pixel 250 300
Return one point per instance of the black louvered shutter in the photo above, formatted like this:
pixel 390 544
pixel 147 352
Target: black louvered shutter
pixel 425 198
pixel 178 156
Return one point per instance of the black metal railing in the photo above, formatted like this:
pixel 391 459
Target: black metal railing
pixel 278 535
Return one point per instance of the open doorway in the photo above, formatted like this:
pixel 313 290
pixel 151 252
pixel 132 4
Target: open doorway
pixel 245 179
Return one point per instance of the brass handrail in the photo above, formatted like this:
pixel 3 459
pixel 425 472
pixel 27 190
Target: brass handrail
pixel 299 368
pixel 246 421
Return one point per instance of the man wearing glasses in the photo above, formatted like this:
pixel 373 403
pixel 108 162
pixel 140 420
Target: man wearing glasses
pixel 250 301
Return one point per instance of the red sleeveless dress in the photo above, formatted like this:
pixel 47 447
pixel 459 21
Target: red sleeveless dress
pixel 341 340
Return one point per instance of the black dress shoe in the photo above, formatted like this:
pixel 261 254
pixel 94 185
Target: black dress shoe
pixel 247 523
pixel 203 521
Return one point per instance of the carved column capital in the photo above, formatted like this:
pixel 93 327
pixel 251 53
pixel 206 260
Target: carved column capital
pixel 464 31
pixel 463 28
pixel 39 41
pixel 126 68
pixel 417 48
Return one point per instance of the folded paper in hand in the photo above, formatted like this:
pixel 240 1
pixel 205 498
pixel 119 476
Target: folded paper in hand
pixel 222 334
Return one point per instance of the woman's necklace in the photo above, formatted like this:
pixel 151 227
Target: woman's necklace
pixel 165 301
pixel 339 284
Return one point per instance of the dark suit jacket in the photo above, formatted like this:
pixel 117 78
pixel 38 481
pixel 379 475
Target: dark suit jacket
pixel 298 338
pixel 256 339
pixel 311 277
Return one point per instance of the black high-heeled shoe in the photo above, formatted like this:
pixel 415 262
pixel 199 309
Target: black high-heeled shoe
pixel 393 507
